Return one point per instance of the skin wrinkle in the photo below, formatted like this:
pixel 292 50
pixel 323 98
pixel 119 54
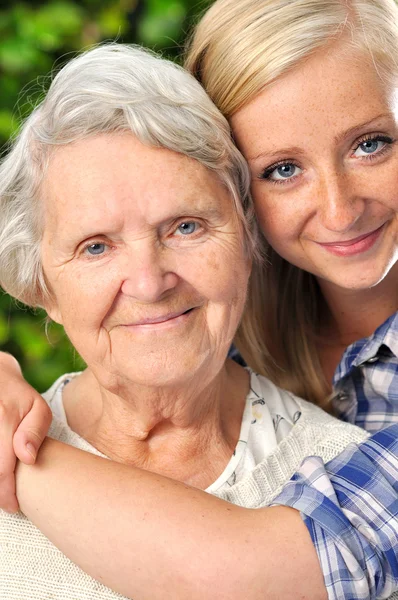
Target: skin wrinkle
pixel 169 388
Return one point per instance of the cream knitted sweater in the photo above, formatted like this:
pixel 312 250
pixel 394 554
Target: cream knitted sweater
pixel 32 568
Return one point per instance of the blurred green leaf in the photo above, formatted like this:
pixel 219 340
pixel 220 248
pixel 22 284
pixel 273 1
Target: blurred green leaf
pixel 18 55
pixel 8 125
pixel 4 329
pixel 113 21
pixel 162 22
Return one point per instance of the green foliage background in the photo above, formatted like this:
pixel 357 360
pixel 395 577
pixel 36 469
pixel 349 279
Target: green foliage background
pixel 35 35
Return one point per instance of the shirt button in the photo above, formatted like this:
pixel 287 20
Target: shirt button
pixel 341 396
pixel 373 359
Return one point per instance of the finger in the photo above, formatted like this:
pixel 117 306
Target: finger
pixel 31 431
pixel 8 424
pixel 8 498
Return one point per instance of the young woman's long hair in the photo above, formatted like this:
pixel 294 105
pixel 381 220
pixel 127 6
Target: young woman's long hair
pixel 238 48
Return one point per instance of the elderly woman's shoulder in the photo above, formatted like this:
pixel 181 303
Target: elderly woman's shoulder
pixel 54 392
pixel 31 567
pixel 60 429
pixel 310 421
pixel 301 429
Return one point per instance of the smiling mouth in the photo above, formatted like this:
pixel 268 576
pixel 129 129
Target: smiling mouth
pixel 161 319
pixel 353 241
pixel 355 246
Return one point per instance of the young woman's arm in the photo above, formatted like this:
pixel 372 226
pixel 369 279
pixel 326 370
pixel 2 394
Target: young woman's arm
pixel 147 536
pixel 151 537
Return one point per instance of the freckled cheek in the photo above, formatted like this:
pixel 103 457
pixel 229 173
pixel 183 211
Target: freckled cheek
pixel 380 184
pixel 280 223
pixel 390 196
pixel 274 214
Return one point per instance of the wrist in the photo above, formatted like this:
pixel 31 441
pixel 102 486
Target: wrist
pixel 26 475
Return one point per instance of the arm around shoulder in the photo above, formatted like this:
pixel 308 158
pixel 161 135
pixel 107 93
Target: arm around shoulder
pixel 147 536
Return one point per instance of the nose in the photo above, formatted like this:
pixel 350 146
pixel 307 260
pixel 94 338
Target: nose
pixel 340 206
pixel 147 277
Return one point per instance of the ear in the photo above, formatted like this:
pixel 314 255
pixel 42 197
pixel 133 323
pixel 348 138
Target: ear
pixel 52 310
pixel 55 316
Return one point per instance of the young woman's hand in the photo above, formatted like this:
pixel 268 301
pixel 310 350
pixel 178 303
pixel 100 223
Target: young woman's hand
pixel 24 421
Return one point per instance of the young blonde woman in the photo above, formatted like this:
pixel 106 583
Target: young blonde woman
pixel 309 89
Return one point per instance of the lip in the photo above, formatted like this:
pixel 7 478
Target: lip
pixel 355 246
pixel 161 320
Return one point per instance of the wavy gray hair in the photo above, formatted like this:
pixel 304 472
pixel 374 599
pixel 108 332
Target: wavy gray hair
pixel 108 89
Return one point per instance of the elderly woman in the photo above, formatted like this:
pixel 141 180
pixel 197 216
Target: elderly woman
pixel 121 216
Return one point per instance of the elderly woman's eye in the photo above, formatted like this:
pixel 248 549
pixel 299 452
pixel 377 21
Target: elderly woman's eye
pixel 95 249
pixel 187 228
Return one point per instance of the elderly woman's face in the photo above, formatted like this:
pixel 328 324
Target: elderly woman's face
pixel 144 256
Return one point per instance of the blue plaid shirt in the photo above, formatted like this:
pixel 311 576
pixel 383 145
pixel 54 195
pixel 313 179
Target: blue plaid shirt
pixel 366 380
pixel 350 506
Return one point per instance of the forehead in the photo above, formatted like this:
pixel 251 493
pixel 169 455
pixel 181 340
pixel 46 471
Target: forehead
pixel 110 176
pixel 331 92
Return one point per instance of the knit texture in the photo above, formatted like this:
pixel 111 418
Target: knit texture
pixel 316 433
pixel 32 568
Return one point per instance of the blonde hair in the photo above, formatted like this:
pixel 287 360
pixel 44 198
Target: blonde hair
pixel 238 49
pixel 108 89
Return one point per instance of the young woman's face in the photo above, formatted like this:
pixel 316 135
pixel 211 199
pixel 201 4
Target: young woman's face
pixel 322 147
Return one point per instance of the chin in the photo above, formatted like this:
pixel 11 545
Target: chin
pixel 359 279
pixel 159 371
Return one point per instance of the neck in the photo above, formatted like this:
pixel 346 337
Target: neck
pixel 173 431
pixel 354 314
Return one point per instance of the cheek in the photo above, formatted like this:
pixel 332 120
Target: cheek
pixel 219 274
pixel 227 274
pixel 279 220
pixel 389 186
pixel 84 299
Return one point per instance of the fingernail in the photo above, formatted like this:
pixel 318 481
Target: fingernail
pixel 31 449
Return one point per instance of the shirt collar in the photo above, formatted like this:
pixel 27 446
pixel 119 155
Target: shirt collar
pixel 366 349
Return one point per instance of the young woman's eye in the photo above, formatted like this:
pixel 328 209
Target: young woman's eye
pixel 95 249
pixel 282 172
pixel 371 146
pixel 187 228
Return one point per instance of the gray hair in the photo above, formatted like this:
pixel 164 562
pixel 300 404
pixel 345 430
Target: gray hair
pixel 108 89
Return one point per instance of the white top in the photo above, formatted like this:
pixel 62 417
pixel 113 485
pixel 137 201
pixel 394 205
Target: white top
pixel 279 430
pixel 264 424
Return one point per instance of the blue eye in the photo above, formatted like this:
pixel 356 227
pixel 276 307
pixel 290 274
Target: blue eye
pixel 96 249
pixel 283 171
pixel 372 146
pixel 187 227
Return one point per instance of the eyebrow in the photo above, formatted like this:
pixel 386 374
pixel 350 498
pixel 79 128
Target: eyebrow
pixel 294 150
pixel 356 129
pixel 188 209
pixel 207 209
pixel 270 155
